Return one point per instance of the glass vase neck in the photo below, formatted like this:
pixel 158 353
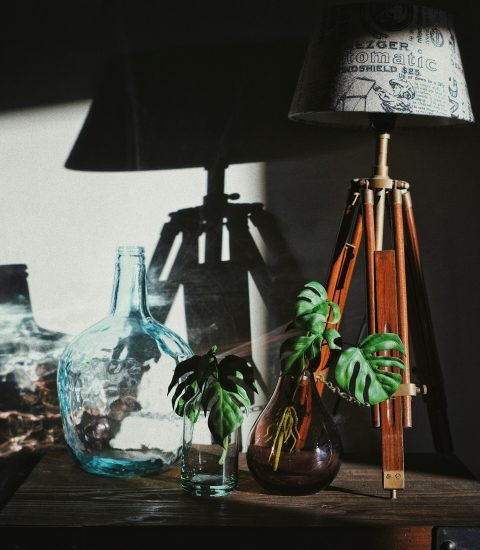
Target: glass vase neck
pixel 129 297
pixel 14 288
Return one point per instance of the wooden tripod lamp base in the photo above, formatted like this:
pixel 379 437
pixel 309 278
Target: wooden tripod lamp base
pixel 389 294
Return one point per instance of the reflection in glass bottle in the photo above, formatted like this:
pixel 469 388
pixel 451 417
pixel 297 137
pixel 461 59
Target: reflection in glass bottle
pixel 113 381
pixel 29 415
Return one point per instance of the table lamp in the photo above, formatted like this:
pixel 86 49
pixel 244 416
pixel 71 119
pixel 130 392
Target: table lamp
pixel 381 64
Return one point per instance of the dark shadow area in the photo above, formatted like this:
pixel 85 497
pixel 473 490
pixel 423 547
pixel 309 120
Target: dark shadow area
pixel 53 51
pixel 447 465
pixel 358 493
pixel 14 469
pixel 187 106
pixel 306 538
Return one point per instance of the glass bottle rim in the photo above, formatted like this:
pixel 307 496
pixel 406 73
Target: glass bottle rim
pixel 130 251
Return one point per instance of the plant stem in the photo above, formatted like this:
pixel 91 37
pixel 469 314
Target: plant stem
pixel 306 402
pixel 224 451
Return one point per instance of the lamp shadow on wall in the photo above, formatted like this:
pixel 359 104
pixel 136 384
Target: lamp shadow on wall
pixel 210 250
pixel 207 107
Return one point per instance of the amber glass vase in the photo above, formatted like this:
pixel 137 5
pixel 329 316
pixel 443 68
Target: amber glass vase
pixel 294 445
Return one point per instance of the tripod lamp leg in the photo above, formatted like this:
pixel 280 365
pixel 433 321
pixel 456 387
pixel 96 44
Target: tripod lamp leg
pixel 399 240
pixel 342 266
pixel 369 230
pixel 391 410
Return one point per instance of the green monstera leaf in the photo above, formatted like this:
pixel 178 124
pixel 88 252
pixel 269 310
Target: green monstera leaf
pixel 222 390
pixel 227 399
pixel 332 336
pixel 313 311
pixel 235 372
pixel 226 411
pixel 193 374
pixel 297 352
pixel 358 370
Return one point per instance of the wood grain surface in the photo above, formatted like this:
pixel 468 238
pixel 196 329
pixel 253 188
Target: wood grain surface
pixel 386 320
pixel 57 493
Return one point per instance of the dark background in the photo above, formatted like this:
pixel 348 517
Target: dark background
pixel 53 52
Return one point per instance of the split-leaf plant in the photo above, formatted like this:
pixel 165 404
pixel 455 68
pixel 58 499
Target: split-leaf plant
pixel 220 389
pixel 358 371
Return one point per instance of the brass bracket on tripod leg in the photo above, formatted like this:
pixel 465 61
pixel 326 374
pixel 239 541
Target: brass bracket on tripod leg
pixel 410 389
pixel 381 182
pixel 393 479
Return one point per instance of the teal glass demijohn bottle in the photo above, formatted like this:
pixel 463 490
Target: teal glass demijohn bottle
pixel 113 379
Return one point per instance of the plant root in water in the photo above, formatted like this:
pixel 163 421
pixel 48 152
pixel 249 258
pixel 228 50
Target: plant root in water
pixel 286 429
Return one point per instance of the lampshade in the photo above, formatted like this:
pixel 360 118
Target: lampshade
pixel 383 58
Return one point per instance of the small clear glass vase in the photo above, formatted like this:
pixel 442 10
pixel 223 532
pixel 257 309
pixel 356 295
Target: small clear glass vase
pixel 113 379
pixel 208 469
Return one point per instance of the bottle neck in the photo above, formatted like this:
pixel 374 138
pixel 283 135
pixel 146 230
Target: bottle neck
pixel 129 288
pixel 14 288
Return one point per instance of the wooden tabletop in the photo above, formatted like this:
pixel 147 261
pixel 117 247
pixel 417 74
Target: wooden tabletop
pixel 57 493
